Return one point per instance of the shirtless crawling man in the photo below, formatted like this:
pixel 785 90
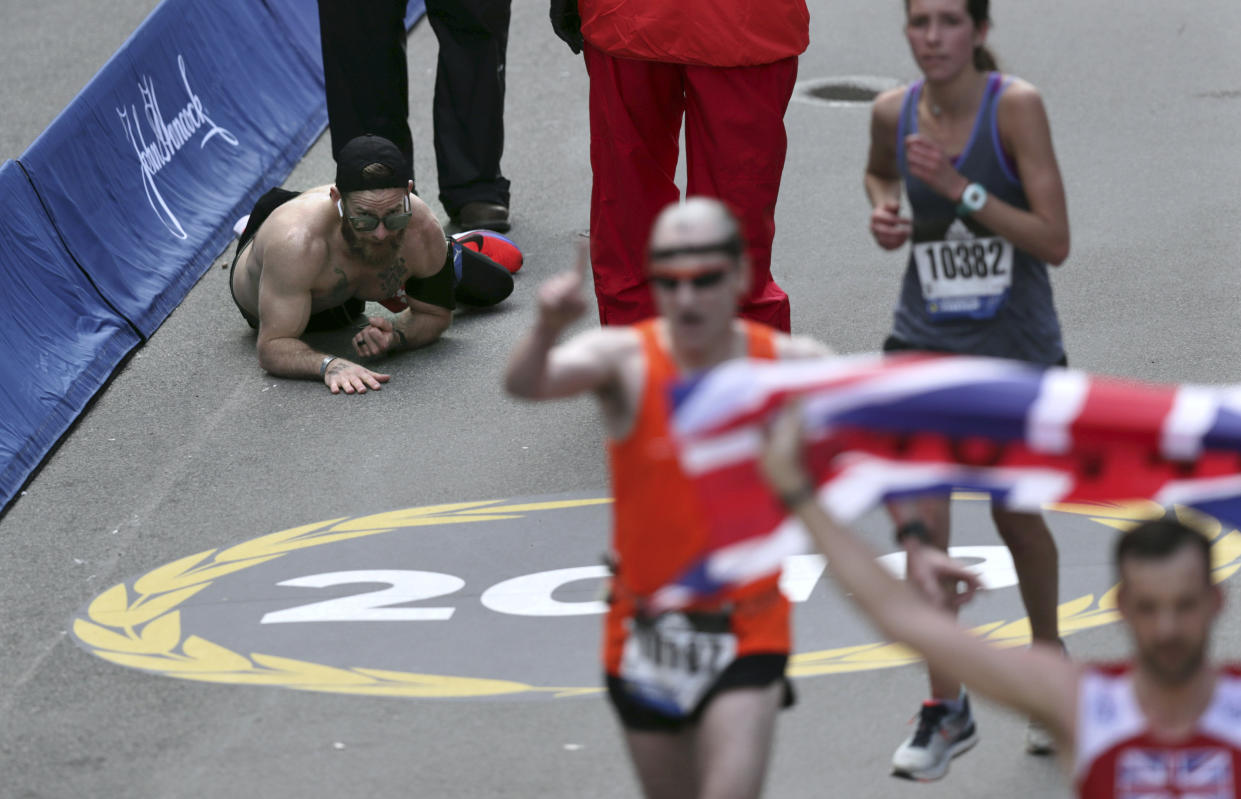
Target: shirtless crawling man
pixel 309 261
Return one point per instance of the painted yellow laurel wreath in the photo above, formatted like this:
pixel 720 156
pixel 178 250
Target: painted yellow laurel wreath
pixel 140 625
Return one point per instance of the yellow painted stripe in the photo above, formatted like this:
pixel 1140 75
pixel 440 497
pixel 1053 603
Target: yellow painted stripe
pixel 533 506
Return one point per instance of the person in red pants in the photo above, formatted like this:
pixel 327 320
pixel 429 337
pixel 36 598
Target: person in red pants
pixel 727 67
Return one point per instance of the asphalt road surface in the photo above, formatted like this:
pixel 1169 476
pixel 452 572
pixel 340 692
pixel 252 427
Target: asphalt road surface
pixel 193 449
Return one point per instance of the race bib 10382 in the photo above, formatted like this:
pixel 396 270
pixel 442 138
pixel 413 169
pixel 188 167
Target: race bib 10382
pixel 964 277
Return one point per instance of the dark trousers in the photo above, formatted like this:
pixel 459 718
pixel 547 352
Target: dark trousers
pixel 468 110
pixel 364 71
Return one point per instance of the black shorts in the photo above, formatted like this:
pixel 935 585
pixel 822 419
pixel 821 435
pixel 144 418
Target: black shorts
pixel 748 671
pixel 894 344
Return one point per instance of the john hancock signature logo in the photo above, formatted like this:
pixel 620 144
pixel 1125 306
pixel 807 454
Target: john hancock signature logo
pixel 167 139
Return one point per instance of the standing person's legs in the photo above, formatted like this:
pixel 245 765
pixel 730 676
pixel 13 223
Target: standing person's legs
pixel 468 110
pixel 935 514
pixel 945 724
pixel 735 147
pixel 664 762
pixel 734 739
pixel 635 127
pixel 1037 562
pixel 364 71
pixel 721 755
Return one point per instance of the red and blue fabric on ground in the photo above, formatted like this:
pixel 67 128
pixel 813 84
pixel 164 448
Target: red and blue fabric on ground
pixel 883 428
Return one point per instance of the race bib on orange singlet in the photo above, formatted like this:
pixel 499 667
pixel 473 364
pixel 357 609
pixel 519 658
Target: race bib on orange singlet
pixel 964 276
pixel 671 661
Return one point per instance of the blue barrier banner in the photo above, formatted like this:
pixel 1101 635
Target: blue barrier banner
pixel 207 105
pixel 59 340
pixel 131 193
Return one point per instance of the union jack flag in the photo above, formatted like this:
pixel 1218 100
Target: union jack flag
pixel 882 428
pixel 1174 774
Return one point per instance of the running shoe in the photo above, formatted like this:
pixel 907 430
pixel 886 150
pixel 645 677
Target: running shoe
pixel 940 736
pixel 1039 740
pixel 500 249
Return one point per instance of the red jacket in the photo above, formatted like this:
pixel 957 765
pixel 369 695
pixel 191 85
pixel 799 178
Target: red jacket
pixel 717 33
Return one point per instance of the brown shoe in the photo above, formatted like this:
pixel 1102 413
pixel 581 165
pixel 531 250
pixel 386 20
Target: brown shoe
pixel 490 216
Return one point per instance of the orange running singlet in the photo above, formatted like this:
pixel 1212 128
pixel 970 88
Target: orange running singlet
pixel 658 526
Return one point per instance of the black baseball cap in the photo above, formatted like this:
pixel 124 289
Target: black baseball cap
pixel 363 151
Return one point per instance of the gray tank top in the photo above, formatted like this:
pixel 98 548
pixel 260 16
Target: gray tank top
pixel 965 289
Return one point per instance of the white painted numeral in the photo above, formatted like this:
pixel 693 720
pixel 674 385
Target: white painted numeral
pixel 801 574
pixel 403 586
pixel 995 570
pixel 531 594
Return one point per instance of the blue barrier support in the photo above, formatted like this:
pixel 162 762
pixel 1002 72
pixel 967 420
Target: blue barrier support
pixel 61 341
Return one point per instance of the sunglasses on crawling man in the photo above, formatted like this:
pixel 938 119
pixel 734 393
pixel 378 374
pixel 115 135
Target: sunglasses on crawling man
pixel 366 222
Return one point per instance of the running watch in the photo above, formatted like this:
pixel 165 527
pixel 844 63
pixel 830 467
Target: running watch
pixel 972 200
pixel 913 529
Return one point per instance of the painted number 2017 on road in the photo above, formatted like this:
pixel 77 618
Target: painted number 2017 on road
pixel 533 594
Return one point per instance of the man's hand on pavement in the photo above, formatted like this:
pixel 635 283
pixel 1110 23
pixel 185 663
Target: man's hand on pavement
pixel 377 338
pixel 351 378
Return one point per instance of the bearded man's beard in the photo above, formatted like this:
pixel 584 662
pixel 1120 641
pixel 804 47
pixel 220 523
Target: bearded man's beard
pixel 1175 661
pixel 374 253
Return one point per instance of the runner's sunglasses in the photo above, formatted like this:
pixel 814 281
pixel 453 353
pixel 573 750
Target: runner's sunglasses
pixel 699 280
pixel 366 222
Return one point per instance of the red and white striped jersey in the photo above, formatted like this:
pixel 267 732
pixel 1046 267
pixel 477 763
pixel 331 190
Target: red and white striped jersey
pixel 1117 757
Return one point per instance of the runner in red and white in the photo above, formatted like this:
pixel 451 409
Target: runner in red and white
pixel 1121 753
pixel 1167 726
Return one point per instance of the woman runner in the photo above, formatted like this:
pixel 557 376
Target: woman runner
pixel 972 149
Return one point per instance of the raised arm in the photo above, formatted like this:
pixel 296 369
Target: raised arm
pixel 538 368
pixel 1042 231
pixel 1039 683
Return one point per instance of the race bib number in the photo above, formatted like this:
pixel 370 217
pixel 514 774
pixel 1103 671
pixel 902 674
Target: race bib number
pixel 967 278
pixel 670 662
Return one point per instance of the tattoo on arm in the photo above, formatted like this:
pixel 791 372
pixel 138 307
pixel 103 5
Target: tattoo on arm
pixel 400 334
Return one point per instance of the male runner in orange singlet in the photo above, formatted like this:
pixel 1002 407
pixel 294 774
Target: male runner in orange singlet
pixel 696 691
